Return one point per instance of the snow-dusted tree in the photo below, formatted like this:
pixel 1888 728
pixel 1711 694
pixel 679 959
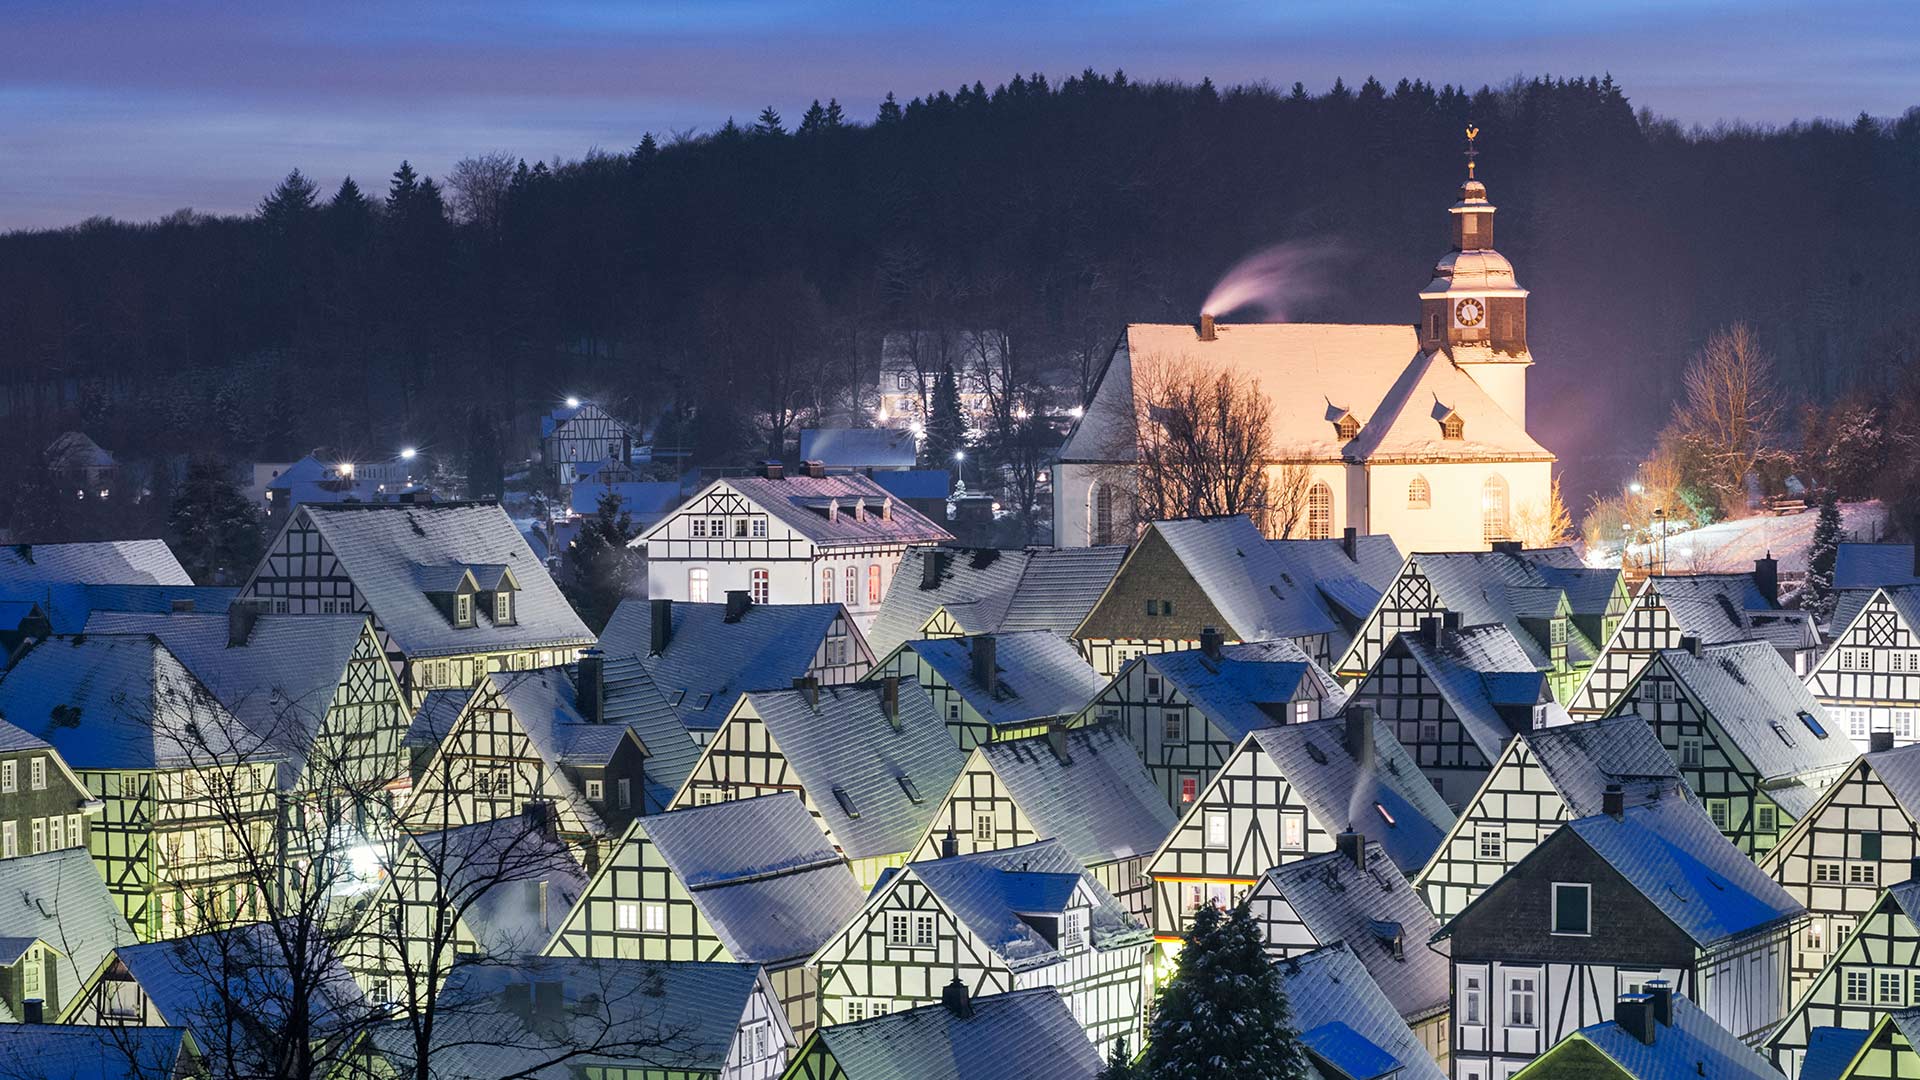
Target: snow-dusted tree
pixel 1730 411
pixel 1202 439
pixel 1845 446
pixel 1818 595
pixel 213 527
pixel 600 565
pixel 1119 1062
pixel 1225 1011
pixel 946 424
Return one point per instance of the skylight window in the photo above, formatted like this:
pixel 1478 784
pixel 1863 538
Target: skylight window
pixel 1318 755
pixel 1819 730
pixel 1781 730
pixel 846 802
pixel 906 785
pixel 1385 815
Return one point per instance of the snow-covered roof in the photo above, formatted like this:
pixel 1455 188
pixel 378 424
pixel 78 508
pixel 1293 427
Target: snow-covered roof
pixel 987 590
pixel 103 562
pixel 1097 798
pixel 836 510
pixel 1868 566
pixel 1581 759
pixel 1248 687
pixel 1693 1045
pixel 1520 589
pixel 1020 1035
pixel 1478 670
pixel 89 1052
pixel 58 897
pixel 1719 608
pixel 992 892
pixel 76 450
pixel 1250 580
pixel 860 448
pixel 1376 373
pixel 647 501
pixel 1038 675
pixel 1347 1023
pixel 493 874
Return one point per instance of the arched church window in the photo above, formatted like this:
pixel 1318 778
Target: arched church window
pixel 1319 511
pixel 1100 514
pixel 1419 495
pixel 1493 509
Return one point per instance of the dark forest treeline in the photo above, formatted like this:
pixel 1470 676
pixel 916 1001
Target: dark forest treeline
pixel 749 274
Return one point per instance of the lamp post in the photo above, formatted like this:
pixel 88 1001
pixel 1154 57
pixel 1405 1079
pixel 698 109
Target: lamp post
pixel 1660 515
pixel 960 462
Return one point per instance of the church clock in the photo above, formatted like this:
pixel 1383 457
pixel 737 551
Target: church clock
pixel 1469 312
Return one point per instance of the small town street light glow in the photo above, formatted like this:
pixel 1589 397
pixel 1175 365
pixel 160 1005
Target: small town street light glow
pixel 1636 487
pixel 573 402
pixel 407 453
pixel 345 468
pixel 959 455
pixel 917 429
pixel 1076 412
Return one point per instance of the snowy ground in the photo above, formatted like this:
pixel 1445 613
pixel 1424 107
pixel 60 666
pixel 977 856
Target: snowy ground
pixel 1734 545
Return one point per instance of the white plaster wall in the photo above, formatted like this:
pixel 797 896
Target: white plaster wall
pixel 1453 517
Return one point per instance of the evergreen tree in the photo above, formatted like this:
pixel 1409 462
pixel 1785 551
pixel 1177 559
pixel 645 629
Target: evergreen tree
pixel 600 567
pixel 836 117
pixel 1119 1063
pixel 213 527
pixel 1818 594
pixel 403 187
pixel 769 122
pixel 291 204
pixel 889 111
pixel 642 156
pixel 1225 1011
pixel 813 121
pixel 946 429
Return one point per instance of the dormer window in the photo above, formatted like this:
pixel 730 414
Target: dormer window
pixel 1452 427
pixel 1348 427
pixel 503 607
pixel 463 609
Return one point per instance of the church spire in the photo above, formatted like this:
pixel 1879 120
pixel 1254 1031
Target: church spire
pixel 1473 133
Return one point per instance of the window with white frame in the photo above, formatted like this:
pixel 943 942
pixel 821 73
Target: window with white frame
pixel 1572 909
pixel 740 528
pixel 626 916
pixel 1073 929
pixel 1827 873
pixel 1689 752
pixel 762 584
pixel 759 528
pixel 899 930
pixel 1890 988
pixel 655 918
pixel 1863 873
pixel 1814 937
pixel 1766 817
pixel 1216 826
pixel 37 771
pixel 983 828
pixel 1490 843
pixel 826 585
pixel 503 606
pixel 717 527
pixel 853 586
pixel 923 931
pixel 1472 994
pixel 463 608
pixel 1523 998
pixel 697 580
pixel 1293 832
pixel 596 790
pixel 1720 811
pixel 9 840
pixel 9 775
pixel 1856 987
pixel 1173 726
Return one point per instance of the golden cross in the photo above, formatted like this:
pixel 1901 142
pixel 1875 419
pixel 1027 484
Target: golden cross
pixel 1473 133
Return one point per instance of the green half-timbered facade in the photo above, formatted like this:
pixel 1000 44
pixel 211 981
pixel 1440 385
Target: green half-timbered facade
pixel 1874 971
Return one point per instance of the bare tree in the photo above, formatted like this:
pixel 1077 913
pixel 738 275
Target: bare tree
pixel 479 186
pixel 1543 523
pixel 1731 410
pixel 1203 437
pixel 1287 501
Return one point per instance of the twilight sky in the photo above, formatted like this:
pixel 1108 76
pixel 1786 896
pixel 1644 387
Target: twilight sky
pixel 137 109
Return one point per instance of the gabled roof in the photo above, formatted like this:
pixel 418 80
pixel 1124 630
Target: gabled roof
pixel 279 683
pixel 1247 687
pixel 1021 1035
pixel 927 484
pixel 60 898
pixel 311 480
pixel 987 590
pixel 101 562
pixel 1098 800
pixel 1347 1022
pixel 1060 585
pixel 121 701
pixel 493 874
pixel 88 1052
pixel 1693 1045
pixel 1478 669
pixel 1405 425
pixel 679 1018
pixel 646 500
pixel 1718 608
pixel 1039 675
pixel 709 662
pixel 1514 587
pixel 860 448
pixel 1386 799
pixel 989 892
pixel 802 504
pixel 1248 579
pixel 632 698
pixel 761 871
pixel 1831 1049
pixel 1899 770
pixel 1581 759
pixel 847 753
pixel 554 421
pixel 14 737
pixel 1380 917
pixel 1674 857
pixel 1349 587
pixel 386 550
pixel 1763 708
pixel 1871 566
pixel 68 605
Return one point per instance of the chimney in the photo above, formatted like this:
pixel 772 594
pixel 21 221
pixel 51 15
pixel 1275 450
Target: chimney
pixel 809 686
pixel 1660 996
pixel 890 699
pixel 1766 578
pixel 1690 644
pixel 591 692
pixel 517 999
pixel 34 1011
pixel 738 601
pixel 930 561
pixel 859 509
pixel 241 615
pixel 1206 327
pixel 662 626
pixel 950 844
pixel 1450 619
pixel 1878 741
pixel 1353 847
pixel 886 508
pixel 1613 801
pixel 1360 734
pixel 1211 639
pixel 179 605
pixel 816 470
pixel 985 671
pixel 540 815
pixel 545 923
pixel 1634 1014
pixel 773 470
pixel 955 998
pixel 1057 742
pixel 1433 631
pixel 1350 543
pixel 1508 547
pixel 546 1000
pixel 1913 868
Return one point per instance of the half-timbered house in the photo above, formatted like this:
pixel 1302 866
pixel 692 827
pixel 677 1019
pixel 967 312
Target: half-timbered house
pixel 704 656
pixel 493 891
pixel 752 881
pixel 869 761
pixel 573 436
pixel 1349 1025
pixel 43 805
pixel 1454 696
pixel 1185 712
pixel 1656 1035
pixel 1286 794
pixel 58 921
pixel 1749 739
pixel 1886 1051
pixel 1356 895
pixel 453 589
pixel 566 1018
pixel 188 796
pixel 1184 576
pixel 1713 609
pixel 1542 779
pixel 1083 787
pixel 996 686
pixel 1859 838
pixel 1017 1035
pixel 802 539
pixel 952 592
pixel 1602 907
pixel 1555 606
pixel 1869 677
pixel 1874 970
pixel 997 921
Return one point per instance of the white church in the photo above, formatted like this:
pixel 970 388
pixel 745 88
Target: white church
pixel 1418 431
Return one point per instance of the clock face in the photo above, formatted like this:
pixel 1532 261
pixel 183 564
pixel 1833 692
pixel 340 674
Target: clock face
pixel 1469 312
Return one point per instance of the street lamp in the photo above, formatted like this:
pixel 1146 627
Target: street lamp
pixel 573 402
pixel 960 460
pixel 407 453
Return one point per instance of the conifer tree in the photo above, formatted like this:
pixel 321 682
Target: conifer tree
pixel 213 527
pixel 769 123
pixel 290 204
pixel 813 121
pixel 836 117
pixel 946 427
pixel 1119 1063
pixel 403 187
pixel 889 111
pixel 1818 596
pixel 600 567
pixel 1225 1011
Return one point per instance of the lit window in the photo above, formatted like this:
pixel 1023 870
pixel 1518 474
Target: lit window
pixel 1293 832
pixel 1348 427
pixel 762 586
pixel 626 916
pixel 1453 428
pixel 1572 909
pixel 656 918
pixel 1217 830
pixel 873 585
pixel 1189 788
pixel 1419 495
pixel 826 585
pixel 1319 511
pixel 1493 509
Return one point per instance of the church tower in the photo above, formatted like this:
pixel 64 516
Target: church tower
pixel 1473 309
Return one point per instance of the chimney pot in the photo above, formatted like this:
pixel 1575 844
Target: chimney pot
pixel 738 601
pixel 930 562
pixel 1350 543
pixel 546 1000
pixel 1057 742
pixel 1352 846
pixel 1433 629
pixel 1766 578
pixel 1691 644
pixel 1878 741
pixel 890 699
pixel 34 1011
pixel 592 690
pixel 1613 801
pixel 949 844
pixel 986 671
pixel 809 686
pixel 773 470
pixel 1211 642
pixel 817 470
pixel 517 998
pixel 662 626
pixel 241 615
pixel 1450 619
pixel 1359 734
pixel 1634 1014
pixel 1206 327
pixel 540 815
pixel 955 998
pixel 1660 998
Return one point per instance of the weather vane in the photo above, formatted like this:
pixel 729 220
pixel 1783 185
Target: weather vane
pixel 1473 133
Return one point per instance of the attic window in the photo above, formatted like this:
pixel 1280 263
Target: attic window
pixel 1453 427
pixel 906 785
pixel 1819 730
pixel 1385 815
pixel 702 701
pixel 846 802
pixel 503 607
pixel 1348 427
pixel 678 697
pixel 463 609
pixel 1390 935
pixel 1781 730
